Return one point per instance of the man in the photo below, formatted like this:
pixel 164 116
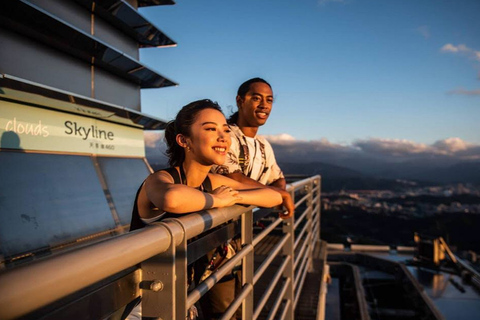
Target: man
pixel 250 160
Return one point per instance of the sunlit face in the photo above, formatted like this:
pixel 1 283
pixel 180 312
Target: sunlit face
pixel 209 139
pixel 255 107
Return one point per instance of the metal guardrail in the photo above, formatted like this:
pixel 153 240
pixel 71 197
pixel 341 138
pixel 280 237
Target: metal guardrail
pixel 161 252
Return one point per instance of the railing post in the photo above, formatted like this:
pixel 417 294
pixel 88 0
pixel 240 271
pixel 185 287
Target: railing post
pixel 158 284
pixel 182 274
pixel 310 223
pixel 318 183
pixel 289 272
pixel 247 264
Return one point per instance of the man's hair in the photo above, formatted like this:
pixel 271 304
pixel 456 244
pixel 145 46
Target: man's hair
pixel 182 125
pixel 241 92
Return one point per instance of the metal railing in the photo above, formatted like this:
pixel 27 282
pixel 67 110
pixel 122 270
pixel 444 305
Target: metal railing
pixel 161 251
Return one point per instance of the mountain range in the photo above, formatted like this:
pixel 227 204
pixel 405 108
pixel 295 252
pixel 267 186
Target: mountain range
pixel 360 173
pixel 385 176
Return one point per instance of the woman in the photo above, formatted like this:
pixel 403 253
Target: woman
pixel 197 139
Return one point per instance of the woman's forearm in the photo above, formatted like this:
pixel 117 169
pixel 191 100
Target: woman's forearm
pixel 263 197
pixel 183 199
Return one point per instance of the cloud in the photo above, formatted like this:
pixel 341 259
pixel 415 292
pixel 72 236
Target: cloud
pixel 469 53
pixel 287 148
pixel 465 92
pixel 424 31
pixel 152 138
pixel 287 140
pixel 155 147
pixel 280 138
pixel 450 147
pixel 461 49
pixel 391 147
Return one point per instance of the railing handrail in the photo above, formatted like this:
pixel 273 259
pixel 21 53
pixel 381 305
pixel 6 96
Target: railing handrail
pixel 29 287
pixel 300 183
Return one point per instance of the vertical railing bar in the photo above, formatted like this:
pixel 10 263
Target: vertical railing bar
pixel 300 235
pixel 265 232
pixel 299 238
pixel 315 230
pixel 302 262
pixel 302 267
pixel 247 267
pixel 302 200
pixel 278 300
pixel 323 293
pixel 246 290
pixel 299 220
pixel 270 288
pixel 285 310
pixel 208 283
pixel 181 273
pixel 318 181
pixel 310 225
pixel 301 256
pixel 266 263
pixel 315 211
pixel 316 214
pixel 288 251
pixel 298 289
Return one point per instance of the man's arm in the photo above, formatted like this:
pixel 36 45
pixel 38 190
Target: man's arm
pixel 277 185
pixel 280 183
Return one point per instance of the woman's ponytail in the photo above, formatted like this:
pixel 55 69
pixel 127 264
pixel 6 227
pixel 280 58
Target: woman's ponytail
pixel 175 153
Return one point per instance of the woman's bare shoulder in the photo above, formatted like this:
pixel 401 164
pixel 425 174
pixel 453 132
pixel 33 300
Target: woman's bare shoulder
pixel 160 176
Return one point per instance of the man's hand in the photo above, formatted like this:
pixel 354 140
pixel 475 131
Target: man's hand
pixel 287 203
pixel 278 185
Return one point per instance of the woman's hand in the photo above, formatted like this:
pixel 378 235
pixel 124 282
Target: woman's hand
pixel 225 196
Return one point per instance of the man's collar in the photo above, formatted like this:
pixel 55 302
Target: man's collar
pixel 242 131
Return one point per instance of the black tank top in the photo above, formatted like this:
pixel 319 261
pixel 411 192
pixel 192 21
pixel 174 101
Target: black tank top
pixel 137 222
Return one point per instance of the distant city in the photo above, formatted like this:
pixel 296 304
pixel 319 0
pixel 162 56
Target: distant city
pixel 386 217
pixel 416 202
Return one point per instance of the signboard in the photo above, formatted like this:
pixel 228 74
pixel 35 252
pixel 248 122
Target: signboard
pixel 30 128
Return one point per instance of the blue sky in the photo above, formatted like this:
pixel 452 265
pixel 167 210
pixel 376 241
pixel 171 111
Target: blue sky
pixel 390 72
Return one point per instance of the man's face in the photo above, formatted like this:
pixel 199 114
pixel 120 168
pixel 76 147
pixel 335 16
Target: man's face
pixel 255 107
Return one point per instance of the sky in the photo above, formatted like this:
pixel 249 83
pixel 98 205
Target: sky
pixel 395 76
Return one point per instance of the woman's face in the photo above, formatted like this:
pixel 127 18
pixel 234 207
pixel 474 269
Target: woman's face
pixel 209 139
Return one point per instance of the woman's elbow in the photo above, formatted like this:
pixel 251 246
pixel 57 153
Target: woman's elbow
pixel 170 204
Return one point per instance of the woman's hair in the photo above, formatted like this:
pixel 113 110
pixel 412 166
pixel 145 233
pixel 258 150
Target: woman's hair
pixel 242 91
pixel 181 125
